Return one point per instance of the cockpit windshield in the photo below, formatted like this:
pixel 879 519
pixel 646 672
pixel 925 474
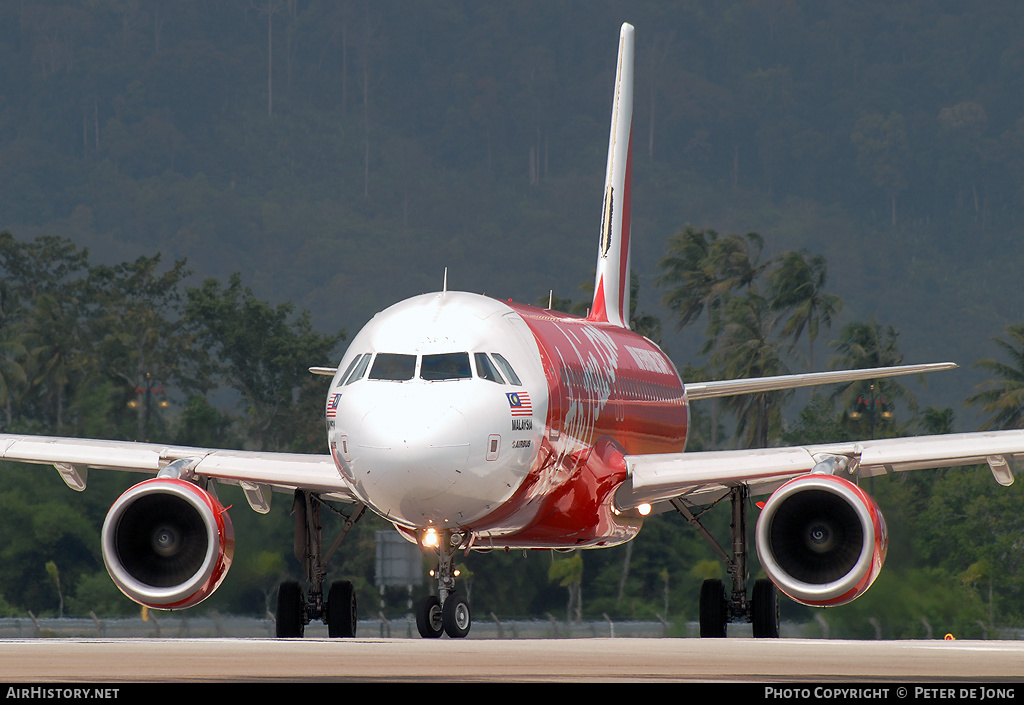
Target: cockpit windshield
pixel 393 367
pixel 445 366
pixel 397 367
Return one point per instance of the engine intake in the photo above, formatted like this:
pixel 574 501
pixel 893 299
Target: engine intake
pixel 167 543
pixel 821 540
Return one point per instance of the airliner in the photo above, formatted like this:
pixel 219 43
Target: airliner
pixel 476 424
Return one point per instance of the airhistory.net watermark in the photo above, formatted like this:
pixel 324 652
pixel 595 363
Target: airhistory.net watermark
pixel 51 693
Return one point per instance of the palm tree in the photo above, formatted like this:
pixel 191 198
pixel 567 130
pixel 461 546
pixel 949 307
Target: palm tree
pixel 864 345
pixel 12 369
pixel 1003 398
pixel 797 286
pixel 646 324
pixel 55 352
pixel 937 421
pixel 743 346
pixel 701 270
pixel 569 574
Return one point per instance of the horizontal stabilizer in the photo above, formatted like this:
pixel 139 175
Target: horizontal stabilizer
pixel 731 387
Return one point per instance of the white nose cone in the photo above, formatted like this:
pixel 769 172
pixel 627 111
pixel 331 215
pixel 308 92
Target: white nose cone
pixel 414 460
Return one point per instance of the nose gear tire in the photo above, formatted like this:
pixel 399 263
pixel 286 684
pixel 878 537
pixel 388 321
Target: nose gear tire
pixel 456 617
pixel 428 617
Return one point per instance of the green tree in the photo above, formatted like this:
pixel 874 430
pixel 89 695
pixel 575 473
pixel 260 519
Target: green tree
pixel 871 403
pixel 56 350
pixel 796 287
pixel 882 153
pixel 743 346
pixel 568 572
pixel 700 270
pixel 1002 397
pixel 142 342
pixel 263 353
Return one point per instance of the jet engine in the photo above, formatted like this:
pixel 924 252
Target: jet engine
pixel 821 540
pixel 167 543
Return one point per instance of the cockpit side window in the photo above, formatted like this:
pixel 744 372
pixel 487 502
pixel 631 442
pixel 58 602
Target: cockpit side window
pixel 352 366
pixel 485 369
pixel 446 366
pixel 505 367
pixel 393 367
pixel 358 372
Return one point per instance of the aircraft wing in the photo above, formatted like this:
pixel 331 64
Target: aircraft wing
pixel 703 477
pixel 730 387
pixel 255 471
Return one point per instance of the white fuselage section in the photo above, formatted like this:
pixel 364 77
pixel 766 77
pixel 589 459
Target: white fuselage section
pixel 436 412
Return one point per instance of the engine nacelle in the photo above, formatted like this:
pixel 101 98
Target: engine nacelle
pixel 167 543
pixel 822 540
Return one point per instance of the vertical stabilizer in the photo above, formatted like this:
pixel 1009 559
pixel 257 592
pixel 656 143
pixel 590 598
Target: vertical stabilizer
pixel 611 286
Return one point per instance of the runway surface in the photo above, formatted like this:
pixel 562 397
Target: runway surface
pixel 526 660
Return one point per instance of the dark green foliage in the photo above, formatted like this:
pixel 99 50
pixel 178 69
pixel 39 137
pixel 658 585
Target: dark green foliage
pixel 110 352
pixel 264 355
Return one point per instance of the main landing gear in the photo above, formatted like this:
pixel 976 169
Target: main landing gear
pixel 294 609
pixel 717 606
pixel 448 612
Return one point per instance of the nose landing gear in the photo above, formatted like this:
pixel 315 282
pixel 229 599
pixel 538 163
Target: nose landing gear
pixel 447 612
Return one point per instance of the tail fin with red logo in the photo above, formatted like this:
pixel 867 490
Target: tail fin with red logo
pixel 611 285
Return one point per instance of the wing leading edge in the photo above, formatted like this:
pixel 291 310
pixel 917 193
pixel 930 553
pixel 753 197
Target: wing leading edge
pixel 731 387
pixel 256 472
pixel 705 476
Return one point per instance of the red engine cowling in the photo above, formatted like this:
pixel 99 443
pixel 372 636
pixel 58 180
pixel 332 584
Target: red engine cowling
pixel 822 540
pixel 167 543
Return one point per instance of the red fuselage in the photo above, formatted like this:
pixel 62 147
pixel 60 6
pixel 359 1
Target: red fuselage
pixel 611 393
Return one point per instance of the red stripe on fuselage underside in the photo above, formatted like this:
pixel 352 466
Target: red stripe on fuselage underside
pixel 603 381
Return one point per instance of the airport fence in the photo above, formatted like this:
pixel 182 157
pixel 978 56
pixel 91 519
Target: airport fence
pixel 224 626
pixel 166 626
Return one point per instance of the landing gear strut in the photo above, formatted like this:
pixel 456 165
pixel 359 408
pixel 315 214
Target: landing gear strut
pixel 447 612
pixel 719 607
pixel 295 610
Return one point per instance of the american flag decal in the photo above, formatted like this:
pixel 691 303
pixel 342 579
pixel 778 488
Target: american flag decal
pixel 519 403
pixel 332 405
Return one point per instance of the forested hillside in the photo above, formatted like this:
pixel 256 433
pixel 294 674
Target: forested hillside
pixel 341 154
pixel 338 156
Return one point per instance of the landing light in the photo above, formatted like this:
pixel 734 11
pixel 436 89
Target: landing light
pixel 644 509
pixel 430 539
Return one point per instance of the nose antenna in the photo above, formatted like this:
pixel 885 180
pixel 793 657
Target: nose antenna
pixel 444 289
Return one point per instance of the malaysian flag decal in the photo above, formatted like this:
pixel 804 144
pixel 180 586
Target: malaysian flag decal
pixel 332 405
pixel 519 403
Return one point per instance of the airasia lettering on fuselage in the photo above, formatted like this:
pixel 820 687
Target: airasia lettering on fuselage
pixel 588 377
pixel 601 397
pixel 649 360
